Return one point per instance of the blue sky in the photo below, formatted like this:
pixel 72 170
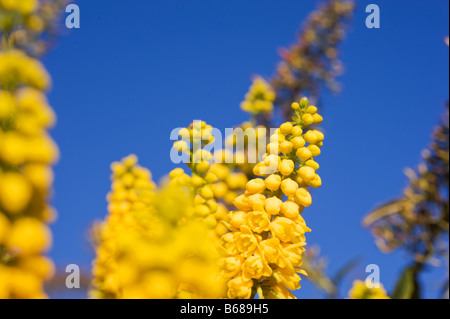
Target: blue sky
pixel 138 69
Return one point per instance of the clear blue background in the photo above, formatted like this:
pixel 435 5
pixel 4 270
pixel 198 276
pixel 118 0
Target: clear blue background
pixel 137 69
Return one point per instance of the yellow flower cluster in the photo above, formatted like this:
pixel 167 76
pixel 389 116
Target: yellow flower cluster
pixel 26 155
pixel 260 97
pixel 361 291
pixel 150 246
pixel 194 140
pixel 263 251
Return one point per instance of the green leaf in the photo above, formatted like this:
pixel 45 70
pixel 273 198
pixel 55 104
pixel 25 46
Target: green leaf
pixel 405 288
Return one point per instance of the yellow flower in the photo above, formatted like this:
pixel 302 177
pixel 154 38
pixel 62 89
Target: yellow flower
pixel 290 210
pixel 259 98
pixel 361 291
pixel 268 234
pixel 239 288
pixel 258 221
pixel 286 167
pixel 289 187
pixel 29 236
pixel 273 182
pixel 255 267
pixel 256 186
pixel 273 205
pixel 15 192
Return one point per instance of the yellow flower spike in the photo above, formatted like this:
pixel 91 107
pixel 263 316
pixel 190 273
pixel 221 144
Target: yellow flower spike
pixel 259 98
pixel 290 210
pixel 273 205
pixel 269 228
pixel 295 106
pixel 256 186
pixel 304 154
pixel 289 187
pixel 303 197
pixel 286 167
pixel 315 150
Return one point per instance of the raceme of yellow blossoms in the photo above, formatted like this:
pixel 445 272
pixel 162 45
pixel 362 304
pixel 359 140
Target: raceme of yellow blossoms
pixel 263 252
pixel 194 140
pixel 151 245
pixel 361 291
pixel 26 155
pixel 260 97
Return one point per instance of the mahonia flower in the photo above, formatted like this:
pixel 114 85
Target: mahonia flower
pixel 150 245
pixel 27 154
pixel 194 140
pixel 361 291
pixel 260 97
pixel 263 252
